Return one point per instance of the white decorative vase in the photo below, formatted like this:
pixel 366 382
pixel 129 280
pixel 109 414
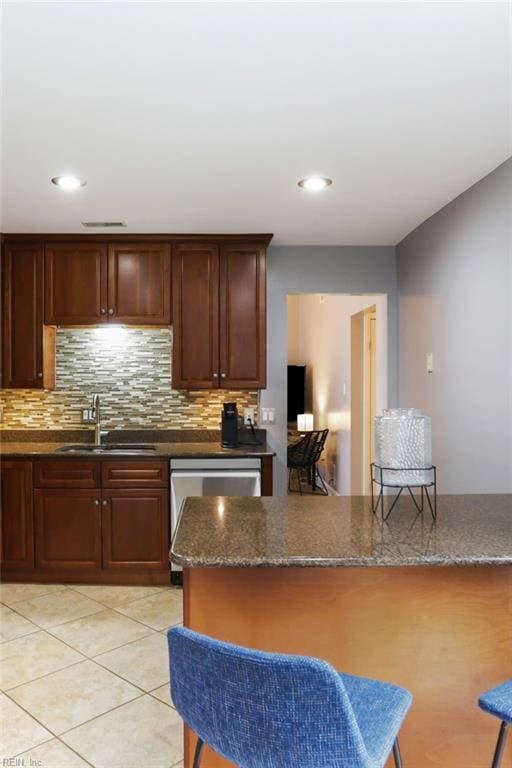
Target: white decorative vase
pixel 403 439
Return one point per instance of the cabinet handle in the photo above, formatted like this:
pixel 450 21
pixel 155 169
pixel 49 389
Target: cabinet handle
pixel 39 375
pixel 103 311
pixel 215 375
pixel 111 311
pixel 223 375
pixel 96 502
pixel 104 503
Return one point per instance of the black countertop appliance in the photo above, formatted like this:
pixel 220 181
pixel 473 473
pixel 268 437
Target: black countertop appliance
pixel 229 428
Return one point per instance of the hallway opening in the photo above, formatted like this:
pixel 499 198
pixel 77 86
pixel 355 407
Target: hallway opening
pixel 337 366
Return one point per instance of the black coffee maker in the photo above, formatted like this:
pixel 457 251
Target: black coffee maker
pixel 229 428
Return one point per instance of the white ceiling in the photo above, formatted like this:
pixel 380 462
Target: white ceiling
pixel 202 117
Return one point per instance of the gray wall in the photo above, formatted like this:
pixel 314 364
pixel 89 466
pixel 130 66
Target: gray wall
pixel 315 269
pixel 455 287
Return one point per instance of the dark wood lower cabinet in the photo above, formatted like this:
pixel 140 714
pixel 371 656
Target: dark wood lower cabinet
pixel 68 529
pixel 89 521
pixel 135 526
pixel 17 542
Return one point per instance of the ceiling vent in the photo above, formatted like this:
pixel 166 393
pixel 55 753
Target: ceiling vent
pixel 93 224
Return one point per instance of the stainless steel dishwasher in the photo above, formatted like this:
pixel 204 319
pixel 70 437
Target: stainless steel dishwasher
pixel 210 477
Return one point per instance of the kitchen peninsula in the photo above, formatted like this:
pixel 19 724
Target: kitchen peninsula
pixel 425 605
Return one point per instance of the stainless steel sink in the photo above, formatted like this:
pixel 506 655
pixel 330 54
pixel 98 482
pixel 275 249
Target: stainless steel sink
pixel 108 448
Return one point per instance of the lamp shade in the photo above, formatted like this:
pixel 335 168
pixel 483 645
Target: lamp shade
pixel 304 422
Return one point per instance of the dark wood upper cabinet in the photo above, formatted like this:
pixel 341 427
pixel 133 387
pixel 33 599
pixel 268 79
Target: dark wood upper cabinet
pixel 219 316
pixel 195 291
pixel 22 281
pixel 17 543
pixel 139 284
pixel 242 317
pixel 89 283
pixel 75 284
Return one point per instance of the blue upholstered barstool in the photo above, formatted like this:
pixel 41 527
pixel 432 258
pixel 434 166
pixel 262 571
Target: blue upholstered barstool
pixel 268 710
pixel 498 702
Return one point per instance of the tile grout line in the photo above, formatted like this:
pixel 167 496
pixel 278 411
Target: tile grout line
pixel 75 752
pixel 47 630
pixel 16 583
pixel 78 618
pixel 85 656
pixel 80 661
pixel 94 660
pixel 39 626
pixel 75 663
pixel 118 706
pixel 57 735
pixel 124 678
pixel 47 674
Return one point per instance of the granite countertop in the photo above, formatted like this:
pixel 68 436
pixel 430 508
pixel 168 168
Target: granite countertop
pixel 162 451
pixel 168 444
pixel 309 531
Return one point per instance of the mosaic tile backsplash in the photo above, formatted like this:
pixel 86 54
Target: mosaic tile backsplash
pixel 130 368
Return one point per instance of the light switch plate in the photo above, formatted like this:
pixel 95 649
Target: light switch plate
pixel 268 415
pixel 429 359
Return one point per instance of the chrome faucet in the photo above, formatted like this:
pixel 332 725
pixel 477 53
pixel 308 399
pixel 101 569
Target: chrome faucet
pixel 96 415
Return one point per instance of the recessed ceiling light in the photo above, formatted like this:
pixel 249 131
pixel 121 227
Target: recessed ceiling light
pixel 92 224
pixel 315 183
pixel 68 182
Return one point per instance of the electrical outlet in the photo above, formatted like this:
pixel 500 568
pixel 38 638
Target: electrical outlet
pixel 87 417
pixel 248 416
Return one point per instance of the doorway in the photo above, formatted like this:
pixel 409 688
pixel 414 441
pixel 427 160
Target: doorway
pixel 339 341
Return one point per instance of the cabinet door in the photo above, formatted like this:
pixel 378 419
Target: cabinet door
pixel 23 316
pixel 135 526
pixel 75 284
pixel 139 284
pixel 67 529
pixel 195 281
pixel 17 545
pixel 242 317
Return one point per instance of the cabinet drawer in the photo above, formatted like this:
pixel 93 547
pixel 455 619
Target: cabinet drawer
pixel 62 473
pixel 135 474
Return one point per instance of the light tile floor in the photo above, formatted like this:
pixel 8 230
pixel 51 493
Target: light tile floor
pixel 84 676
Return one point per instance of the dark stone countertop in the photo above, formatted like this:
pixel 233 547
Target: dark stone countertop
pixel 162 451
pixel 331 531
pixel 168 444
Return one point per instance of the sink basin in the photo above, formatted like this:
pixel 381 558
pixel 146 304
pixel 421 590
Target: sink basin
pixel 108 448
